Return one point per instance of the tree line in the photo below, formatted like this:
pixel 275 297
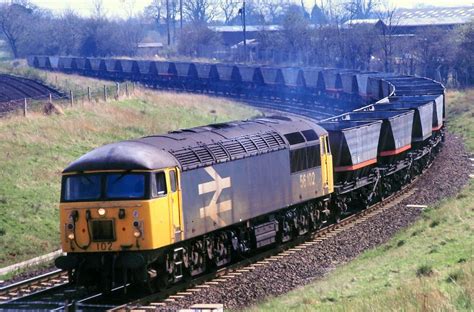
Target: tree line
pixel 322 35
pixel 442 53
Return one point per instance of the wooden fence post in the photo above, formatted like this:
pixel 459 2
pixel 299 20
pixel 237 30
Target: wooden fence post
pixel 71 97
pixel 50 98
pixel 117 94
pixel 25 108
pixel 89 94
pixel 126 89
pixel 105 93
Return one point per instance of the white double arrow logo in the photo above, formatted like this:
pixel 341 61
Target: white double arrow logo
pixel 214 209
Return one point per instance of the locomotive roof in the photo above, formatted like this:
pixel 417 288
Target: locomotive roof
pixel 196 147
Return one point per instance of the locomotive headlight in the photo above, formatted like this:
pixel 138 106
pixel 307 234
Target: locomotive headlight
pixel 71 236
pixel 101 212
pixel 137 233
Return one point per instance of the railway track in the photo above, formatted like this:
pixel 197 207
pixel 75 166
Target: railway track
pixel 169 296
pixel 52 292
pixel 15 88
pixel 32 285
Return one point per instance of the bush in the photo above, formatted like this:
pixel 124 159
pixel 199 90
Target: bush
pixel 195 38
pixel 424 270
pixel 454 276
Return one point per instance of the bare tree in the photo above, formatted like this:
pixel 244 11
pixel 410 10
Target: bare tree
pixel 129 7
pixel 14 21
pixel 387 33
pixel 429 49
pixel 229 8
pixel 197 36
pixel 463 59
pixel 98 9
pixel 165 10
pixel 273 9
pixel 71 33
pixel 154 10
pixel 200 11
pixel 361 8
pixel 296 30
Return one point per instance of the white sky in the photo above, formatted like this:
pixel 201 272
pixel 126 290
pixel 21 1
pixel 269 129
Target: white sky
pixel 121 7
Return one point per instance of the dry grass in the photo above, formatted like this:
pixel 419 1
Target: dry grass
pixel 34 150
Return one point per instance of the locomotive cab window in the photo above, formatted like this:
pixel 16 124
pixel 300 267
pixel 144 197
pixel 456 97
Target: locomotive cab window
pixel 82 187
pixel 310 135
pixel 173 182
pixel 125 186
pixel 305 158
pixel 160 184
pixel 294 138
pixel 104 186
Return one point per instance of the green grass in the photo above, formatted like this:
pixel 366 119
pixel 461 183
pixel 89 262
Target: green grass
pixel 427 267
pixel 34 150
pixel 460 111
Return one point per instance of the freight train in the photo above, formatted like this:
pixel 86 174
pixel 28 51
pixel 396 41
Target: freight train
pixel 307 88
pixel 165 208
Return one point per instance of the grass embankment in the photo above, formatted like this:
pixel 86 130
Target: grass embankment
pixel 427 267
pixel 34 150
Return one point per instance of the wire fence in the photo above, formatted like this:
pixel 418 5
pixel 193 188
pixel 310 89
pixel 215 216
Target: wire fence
pixel 48 103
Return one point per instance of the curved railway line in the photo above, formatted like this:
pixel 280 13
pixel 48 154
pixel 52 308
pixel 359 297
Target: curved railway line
pixel 13 90
pixel 297 98
pixel 52 292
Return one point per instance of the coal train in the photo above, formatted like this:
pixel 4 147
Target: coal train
pixel 165 208
pixel 333 90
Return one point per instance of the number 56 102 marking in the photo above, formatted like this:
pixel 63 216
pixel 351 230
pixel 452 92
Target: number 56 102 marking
pixel 307 179
pixel 104 246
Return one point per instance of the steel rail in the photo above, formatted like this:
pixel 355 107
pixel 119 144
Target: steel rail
pixel 32 285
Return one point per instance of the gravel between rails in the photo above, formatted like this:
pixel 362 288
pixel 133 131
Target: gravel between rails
pixel 445 178
pixel 24 275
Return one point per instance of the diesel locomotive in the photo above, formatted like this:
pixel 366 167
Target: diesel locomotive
pixel 176 205
pixel 165 208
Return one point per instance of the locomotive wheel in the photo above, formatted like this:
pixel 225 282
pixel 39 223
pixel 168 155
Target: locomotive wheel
pixel 336 216
pixel 151 284
pixel 164 280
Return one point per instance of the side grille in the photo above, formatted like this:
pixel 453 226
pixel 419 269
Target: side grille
pixel 245 146
pixel 234 148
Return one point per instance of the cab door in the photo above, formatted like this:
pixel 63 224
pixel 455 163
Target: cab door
pixel 326 163
pixel 175 205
